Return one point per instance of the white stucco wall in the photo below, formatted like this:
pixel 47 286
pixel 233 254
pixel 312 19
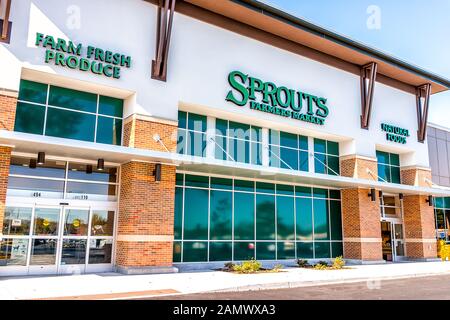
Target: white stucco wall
pixel 201 56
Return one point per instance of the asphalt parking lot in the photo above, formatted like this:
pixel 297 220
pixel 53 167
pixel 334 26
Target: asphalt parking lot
pixel 428 288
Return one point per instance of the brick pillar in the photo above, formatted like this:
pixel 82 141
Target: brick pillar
pixel 7 111
pixel 146 217
pixel 416 176
pixel 5 157
pixel 139 130
pixel 356 167
pixel 361 226
pixel 420 233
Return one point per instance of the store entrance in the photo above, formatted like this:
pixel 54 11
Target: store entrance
pixel 57 239
pixel 393 243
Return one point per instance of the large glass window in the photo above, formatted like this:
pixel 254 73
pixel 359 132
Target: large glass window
pixel 191 134
pixel 326 157
pixel 442 217
pixel 66 113
pixel 238 141
pixel 59 179
pixel 221 219
pixel 388 167
pixel 287 150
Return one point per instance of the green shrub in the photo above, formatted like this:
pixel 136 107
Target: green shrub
pixel 338 263
pixel 302 263
pixel 321 265
pixel 250 266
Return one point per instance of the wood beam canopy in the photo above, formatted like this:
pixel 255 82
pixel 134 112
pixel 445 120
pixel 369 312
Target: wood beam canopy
pixel 5 23
pixel 166 9
pixel 422 103
pixel 368 76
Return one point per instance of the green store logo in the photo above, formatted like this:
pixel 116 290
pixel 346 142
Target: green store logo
pixel 395 134
pixel 96 60
pixel 278 100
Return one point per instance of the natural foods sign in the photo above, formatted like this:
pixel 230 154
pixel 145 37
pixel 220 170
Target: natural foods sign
pixel 278 100
pixel 395 134
pixel 76 56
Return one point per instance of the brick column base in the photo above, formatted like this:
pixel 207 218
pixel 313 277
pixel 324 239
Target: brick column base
pixel 361 226
pixel 146 217
pixel 359 167
pixel 420 233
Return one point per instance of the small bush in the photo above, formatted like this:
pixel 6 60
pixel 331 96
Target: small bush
pixel 338 263
pixel 229 266
pixel 250 266
pixel 320 266
pixel 302 263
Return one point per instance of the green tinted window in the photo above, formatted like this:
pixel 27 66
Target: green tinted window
pixel 303 142
pixel 196 144
pixel 196 181
pixel 181 141
pixel 179 179
pixel 221 183
pixel 265 187
pixel 178 216
pixel 288 140
pixel 220 215
pixel 394 159
pixel 265 250
pixel 177 251
pixel 285 189
pixel 244 250
pixel 220 251
pixel 33 91
pixel 320 145
pixel 319 163
pixel 265 217
pixel 320 193
pixel 303 191
pixel 109 130
pixel 110 106
pixel 244 216
pixel 303 209
pixel 336 249
pixel 72 99
pixel 238 130
pixel 321 227
pixel 70 124
pixel 196 122
pixel 382 157
pixel 322 249
pixel 286 250
pixel 335 220
pixel 256 134
pixel 29 118
pixel 333 148
pixel 305 250
pixel 244 185
pixel 221 127
pixel 285 218
pixel 289 157
pixel 182 119
pixel 304 161
pixel 195 251
pixel 196 214
pixel 333 165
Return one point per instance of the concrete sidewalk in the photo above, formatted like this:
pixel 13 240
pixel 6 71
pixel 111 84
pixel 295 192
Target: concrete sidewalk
pixel 117 286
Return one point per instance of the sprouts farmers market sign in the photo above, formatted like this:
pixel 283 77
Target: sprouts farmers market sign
pixel 281 100
pixel 395 134
pixel 96 60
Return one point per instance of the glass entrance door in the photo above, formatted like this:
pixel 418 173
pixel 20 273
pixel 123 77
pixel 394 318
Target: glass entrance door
pixel 59 239
pixel 398 241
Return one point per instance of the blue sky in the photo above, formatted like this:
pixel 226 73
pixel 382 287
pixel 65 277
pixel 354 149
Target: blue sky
pixel 416 31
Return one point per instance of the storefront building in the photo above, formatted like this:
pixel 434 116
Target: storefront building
pixel 187 134
pixel 439 151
